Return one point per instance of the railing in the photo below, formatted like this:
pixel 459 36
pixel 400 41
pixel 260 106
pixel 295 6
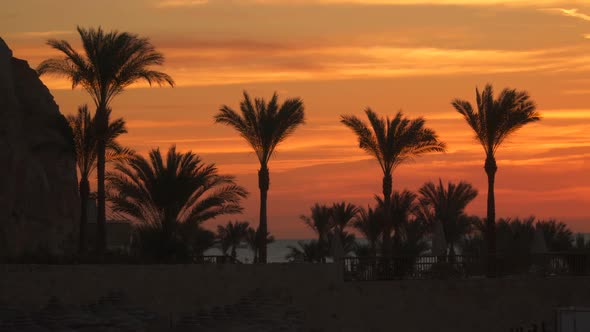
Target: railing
pixel 215 260
pixel 464 266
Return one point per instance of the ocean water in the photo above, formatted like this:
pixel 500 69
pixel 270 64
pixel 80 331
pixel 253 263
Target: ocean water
pixel 280 248
pixel 276 251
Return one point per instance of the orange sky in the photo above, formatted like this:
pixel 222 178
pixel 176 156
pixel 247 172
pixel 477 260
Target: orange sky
pixel 340 57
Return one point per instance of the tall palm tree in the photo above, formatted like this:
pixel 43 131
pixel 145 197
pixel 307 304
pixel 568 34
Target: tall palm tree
pixel 321 222
pixel 264 126
pixel 448 204
pixel 392 141
pixel 82 126
pixel 167 195
pixel 110 62
pixel 232 235
pixel 369 223
pixel 493 122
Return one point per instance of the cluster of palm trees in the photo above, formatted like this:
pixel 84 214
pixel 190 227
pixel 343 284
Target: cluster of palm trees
pixel 183 192
pixel 234 234
pixel 411 218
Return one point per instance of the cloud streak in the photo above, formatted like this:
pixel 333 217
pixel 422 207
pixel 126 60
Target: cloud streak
pixel 180 3
pixel 193 3
pixel 224 64
pixel 574 13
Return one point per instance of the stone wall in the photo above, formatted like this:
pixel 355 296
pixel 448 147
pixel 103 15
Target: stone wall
pixel 329 303
pixel 39 205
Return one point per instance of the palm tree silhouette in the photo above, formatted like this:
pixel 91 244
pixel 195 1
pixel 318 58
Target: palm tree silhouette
pixel 321 222
pixel 447 205
pixel 392 142
pixel 110 63
pixel 306 251
pixel 264 126
pixel 343 215
pixel 232 235
pixel 493 122
pixel 348 240
pixel 174 195
pixel 401 207
pixel 85 144
pixel 369 223
pixel 253 242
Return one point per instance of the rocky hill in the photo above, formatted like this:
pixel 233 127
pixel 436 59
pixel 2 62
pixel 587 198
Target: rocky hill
pixel 39 204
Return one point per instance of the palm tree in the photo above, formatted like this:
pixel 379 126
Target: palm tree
pixel 231 235
pixel 399 210
pixel 321 223
pixel 253 243
pixel 493 122
pixel 310 252
pixel 369 223
pixel 264 126
pixel 348 240
pixel 447 205
pixel 343 214
pixel 180 192
pixel 557 234
pixel 82 126
pixel 110 62
pixel 392 142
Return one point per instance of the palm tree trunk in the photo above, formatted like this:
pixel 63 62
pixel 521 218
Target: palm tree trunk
pixel 387 222
pixel 491 168
pixel 102 125
pixel 84 194
pixel 263 185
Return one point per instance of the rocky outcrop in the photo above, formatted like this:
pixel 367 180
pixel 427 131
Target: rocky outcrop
pixel 39 204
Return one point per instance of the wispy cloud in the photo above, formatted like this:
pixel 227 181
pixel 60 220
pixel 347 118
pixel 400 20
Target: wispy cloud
pixel 44 34
pixel 180 3
pixel 574 12
pixel 191 3
pixel 209 65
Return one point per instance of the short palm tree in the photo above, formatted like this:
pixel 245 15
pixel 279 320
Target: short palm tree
pixel 253 243
pixel 447 205
pixel 169 195
pixel 321 222
pixel 401 207
pixel 85 143
pixel 310 252
pixel 110 63
pixel 347 240
pixel 232 235
pixel 343 214
pixel 369 223
pixel 264 126
pixel 392 142
pixel 493 122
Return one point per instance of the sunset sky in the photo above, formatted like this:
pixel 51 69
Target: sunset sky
pixel 341 56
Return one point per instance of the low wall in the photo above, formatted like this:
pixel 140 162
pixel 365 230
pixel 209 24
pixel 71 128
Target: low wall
pixel 329 303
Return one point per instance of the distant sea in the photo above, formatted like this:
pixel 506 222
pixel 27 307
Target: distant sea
pixel 276 251
pixel 280 248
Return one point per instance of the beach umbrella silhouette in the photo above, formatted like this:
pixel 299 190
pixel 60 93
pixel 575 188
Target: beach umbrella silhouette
pixel 539 245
